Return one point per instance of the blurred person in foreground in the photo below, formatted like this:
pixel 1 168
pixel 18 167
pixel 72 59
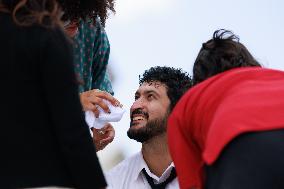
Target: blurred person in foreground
pixel 84 23
pixel 160 89
pixel 45 141
pixel 227 131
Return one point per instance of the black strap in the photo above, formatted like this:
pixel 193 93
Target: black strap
pixel 163 184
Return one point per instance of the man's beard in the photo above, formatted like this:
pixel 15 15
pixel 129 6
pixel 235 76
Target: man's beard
pixel 151 129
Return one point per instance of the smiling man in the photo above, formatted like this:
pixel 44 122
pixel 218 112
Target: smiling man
pixel 160 89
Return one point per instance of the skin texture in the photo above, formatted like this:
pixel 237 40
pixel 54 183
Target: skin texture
pixel 148 112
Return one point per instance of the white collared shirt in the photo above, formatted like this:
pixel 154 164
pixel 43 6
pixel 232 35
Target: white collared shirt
pixel 128 175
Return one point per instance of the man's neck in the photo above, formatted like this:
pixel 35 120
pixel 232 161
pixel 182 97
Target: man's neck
pixel 156 154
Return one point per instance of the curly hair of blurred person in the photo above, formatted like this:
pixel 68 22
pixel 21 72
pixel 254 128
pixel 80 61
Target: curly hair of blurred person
pixel 176 80
pixel 222 52
pixel 92 9
pixel 28 12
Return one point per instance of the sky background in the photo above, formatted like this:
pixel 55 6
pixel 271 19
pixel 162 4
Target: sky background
pixel 146 33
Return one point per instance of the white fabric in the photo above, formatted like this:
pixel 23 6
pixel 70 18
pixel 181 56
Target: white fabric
pixel 128 175
pixel 98 123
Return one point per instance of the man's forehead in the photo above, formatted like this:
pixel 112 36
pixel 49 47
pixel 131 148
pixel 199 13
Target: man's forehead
pixel 155 84
pixel 151 86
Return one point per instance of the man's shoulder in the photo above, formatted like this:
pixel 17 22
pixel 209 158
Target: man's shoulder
pixel 125 166
pixel 125 173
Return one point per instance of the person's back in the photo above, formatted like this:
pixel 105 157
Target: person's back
pixel 27 141
pixel 228 129
pixel 44 139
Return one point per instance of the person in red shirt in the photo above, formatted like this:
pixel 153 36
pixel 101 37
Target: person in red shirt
pixel 227 131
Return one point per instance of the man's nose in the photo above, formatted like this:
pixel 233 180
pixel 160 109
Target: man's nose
pixel 138 104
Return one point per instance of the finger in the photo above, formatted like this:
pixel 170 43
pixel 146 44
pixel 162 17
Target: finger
pixel 110 133
pixel 107 96
pixel 107 140
pixel 99 102
pixel 103 145
pixel 98 147
pixel 101 132
pixel 107 126
pixel 99 144
pixel 107 131
pixel 99 135
pixel 88 106
pixel 95 132
pixel 96 111
pixel 108 136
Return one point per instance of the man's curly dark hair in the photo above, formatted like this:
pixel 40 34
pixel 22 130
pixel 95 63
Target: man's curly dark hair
pixel 75 9
pixel 177 81
pixel 221 53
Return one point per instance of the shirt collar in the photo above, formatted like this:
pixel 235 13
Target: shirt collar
pixel 141 164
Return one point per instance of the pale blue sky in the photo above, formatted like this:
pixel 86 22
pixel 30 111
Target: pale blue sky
pixel 146 33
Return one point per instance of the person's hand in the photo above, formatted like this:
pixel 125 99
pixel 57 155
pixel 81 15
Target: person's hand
pixel 93 98
pixel 102 137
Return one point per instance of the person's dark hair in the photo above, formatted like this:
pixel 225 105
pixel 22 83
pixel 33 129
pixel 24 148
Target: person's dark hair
pixel 177 82
pixel 29 12
pixel 222 52
pixel 74 9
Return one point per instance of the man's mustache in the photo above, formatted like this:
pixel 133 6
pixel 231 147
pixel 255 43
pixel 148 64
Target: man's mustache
pixel 139 111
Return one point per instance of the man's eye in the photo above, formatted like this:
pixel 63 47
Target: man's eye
pixel 136 97
pixel 150 96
